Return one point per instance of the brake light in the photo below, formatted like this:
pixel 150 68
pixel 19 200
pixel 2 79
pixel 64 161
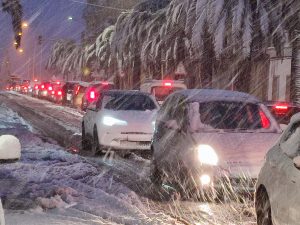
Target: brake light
pixel 92 95
pixel 265 122
pixel 58 82
pixel 43 86
pixel 281 107
pixel 59 93
pixel 50 88
pixel 36 87
pixel 168 83
pixel 53 92
pixel 77 90
pixel 104 83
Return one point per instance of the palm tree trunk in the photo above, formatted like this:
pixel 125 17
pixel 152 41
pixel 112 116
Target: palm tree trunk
pixel 296 68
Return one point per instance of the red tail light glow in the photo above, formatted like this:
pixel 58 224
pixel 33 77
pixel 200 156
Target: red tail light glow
pixel 281 107
pixel 53 92
pixel 50 88
pixel 57 82
pixel 43 86
pixel 92 95
pixel 168 83
pixel 36 87
pixel 104 83
pixel 265 122
pixel 77 90
pixel 59 93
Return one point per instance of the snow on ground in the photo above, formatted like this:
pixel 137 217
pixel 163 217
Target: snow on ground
pixel 49 178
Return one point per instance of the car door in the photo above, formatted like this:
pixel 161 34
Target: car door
pixel 89 118
pixel 291 149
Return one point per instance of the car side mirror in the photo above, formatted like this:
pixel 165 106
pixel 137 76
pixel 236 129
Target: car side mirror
pixel 296 161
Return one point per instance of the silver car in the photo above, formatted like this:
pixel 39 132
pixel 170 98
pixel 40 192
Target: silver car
pixel 205 138
pixel 277 198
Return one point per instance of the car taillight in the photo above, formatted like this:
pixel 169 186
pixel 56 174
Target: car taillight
pixel 281 108
pixel 59 93
pixel 50 88
pixel 168 83
pixel 265 122
pixel 77 90
pixel 36 87
pixel 43 86
pixel 92 95
pixel 53 92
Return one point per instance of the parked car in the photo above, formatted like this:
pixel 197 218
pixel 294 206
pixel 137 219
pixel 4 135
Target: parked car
pixel 161 89
pixel 119 120
pixel 25 86
pixel 277 197
pixel 68 92
pixel 92 93
pixel 205 138
pixel 79 92
pixel 283 111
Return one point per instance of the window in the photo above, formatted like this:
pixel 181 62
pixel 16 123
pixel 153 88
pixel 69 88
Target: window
pixel 232 115
pixel 162 92
pixel 128 102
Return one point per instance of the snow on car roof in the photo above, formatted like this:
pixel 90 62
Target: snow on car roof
pixel 131 92
pixel 202 95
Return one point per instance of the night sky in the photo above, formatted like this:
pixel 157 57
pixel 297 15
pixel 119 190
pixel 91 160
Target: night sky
pixel 48 18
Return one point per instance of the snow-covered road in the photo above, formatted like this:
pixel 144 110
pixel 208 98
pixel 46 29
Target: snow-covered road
pixel 85 190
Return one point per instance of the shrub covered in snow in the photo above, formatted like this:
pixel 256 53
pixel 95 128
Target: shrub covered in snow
pixel 10 147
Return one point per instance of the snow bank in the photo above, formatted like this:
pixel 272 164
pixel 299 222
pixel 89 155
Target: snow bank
pixel 10 147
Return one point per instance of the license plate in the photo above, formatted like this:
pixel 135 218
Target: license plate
pixel 69 97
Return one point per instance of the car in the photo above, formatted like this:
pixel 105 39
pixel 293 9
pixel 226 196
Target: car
pixel 161 89
pixel 205 138
pixel 56 93
pixel 10 148
pixel 68 92
pixel 277 198
pixel 45 90
pixel 283 111
pixel 92 93
pixel 119 120
pixel 79 92
pixel 25 86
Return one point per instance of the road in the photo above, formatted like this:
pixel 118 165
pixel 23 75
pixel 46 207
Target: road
pixel 63 125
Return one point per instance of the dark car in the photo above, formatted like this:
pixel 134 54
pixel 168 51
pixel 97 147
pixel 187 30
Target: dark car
pixel 45 90
pixel 78 93
pixel 282 111
pixel 68 92
pixel 56 93
pixel 92 93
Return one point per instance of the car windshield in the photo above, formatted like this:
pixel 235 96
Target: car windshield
pixel 228 116
pixel 128 102
pixel 162 92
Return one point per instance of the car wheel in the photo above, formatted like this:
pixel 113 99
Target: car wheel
pixel 263 208
pixel 95 146
pixel 85 144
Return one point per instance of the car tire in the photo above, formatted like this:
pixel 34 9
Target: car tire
pixel 96 149
pixel 263 208
pixel 85 144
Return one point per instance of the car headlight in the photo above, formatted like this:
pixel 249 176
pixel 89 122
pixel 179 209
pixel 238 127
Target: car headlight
pixel 110 121
pixel 207 155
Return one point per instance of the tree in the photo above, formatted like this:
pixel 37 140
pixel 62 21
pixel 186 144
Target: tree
pixel 14 8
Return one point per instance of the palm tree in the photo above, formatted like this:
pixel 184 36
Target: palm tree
pixel 14 8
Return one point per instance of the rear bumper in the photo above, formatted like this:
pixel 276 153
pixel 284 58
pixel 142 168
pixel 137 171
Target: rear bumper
pixel 121 141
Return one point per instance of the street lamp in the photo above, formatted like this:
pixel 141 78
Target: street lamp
pixel 70 18
pixel 21 50
pixel 24 25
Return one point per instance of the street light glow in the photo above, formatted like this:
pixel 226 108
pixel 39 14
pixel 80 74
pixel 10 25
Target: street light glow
pixel 24 25
pixel 20 33
pixel 21 50
pixel 70 18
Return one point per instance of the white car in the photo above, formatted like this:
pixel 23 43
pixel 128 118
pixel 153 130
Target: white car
pixel 119 120
pixel 204 138
pixel 277 199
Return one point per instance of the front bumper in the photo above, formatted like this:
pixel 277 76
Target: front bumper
pixel 126 141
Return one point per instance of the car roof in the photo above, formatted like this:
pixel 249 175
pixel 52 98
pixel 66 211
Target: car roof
pixel 203 95
pixel 131 92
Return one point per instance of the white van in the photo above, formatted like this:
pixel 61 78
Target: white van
pixel 161 89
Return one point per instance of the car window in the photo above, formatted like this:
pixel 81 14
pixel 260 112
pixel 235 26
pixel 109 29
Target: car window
pixel 291 141
pixel 231 116
pixel 128 102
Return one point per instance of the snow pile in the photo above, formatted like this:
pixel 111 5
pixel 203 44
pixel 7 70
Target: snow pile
pixel 10 147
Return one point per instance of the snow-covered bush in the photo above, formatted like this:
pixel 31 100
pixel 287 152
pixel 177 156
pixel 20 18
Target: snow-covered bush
pixel 10 147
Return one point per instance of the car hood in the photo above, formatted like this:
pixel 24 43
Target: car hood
pixel 239 154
